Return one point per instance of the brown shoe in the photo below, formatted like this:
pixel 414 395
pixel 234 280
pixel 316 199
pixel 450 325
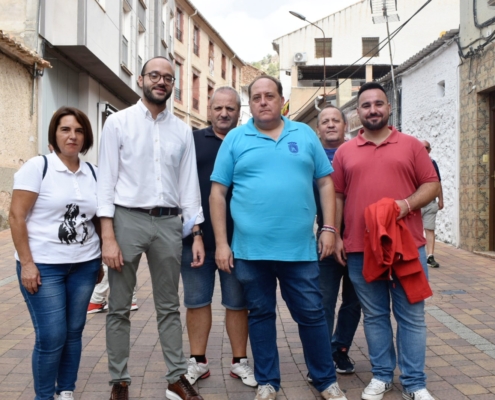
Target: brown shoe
pixel 182 390
pixel 120 391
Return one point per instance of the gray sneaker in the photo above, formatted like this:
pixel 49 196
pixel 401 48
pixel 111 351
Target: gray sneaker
pixel 421 394
pixel 333 392
pixel 266 392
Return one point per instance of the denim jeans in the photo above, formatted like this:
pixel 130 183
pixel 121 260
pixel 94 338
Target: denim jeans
pixel 301 292
pixel 199 283
pixel 411 327
pixel 331 274
pixel 58 312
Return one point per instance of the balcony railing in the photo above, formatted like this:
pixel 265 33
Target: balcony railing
pixel 178 34
pixel 178 94
pixel 125 51
pixel 196 104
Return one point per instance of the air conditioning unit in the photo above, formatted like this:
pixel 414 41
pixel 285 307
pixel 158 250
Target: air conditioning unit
pixel 300 58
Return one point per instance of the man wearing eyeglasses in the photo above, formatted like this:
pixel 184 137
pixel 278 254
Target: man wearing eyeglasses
pixel 147 175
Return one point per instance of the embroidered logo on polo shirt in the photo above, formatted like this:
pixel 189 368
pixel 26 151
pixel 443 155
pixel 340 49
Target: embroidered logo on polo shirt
pixel 293 147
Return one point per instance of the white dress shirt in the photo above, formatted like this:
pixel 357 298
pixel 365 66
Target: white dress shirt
pixel 147 163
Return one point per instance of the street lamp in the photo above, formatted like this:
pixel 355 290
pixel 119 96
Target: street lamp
pixel 297 15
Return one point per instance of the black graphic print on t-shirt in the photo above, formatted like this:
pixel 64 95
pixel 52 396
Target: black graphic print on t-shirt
pixel 68 230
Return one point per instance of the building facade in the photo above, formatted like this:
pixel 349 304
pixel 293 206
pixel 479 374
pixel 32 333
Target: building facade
pixel 96 49
pixel 351 41
pixel 477 125
pixel 203 62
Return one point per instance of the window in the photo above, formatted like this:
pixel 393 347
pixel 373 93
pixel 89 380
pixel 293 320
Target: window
pixel 211 89
pixel 370 47
pixel 234 76
pixel 178 81
pixel 179 18
pixel 224 66
pixel 195 92
pixel 196 40
pixel 441 89
pixel 323 48
pixel 126 33
pixel 211 55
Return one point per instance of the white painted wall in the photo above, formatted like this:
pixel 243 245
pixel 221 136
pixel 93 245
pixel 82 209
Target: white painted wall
pixel 428 115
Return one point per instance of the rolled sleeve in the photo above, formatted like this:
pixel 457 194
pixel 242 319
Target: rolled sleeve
pixel 189 193
pixel 108 165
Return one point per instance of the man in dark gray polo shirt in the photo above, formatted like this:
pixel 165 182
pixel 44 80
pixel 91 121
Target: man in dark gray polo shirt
pixel 199 282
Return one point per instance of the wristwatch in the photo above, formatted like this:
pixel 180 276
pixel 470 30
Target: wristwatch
pixel 197 233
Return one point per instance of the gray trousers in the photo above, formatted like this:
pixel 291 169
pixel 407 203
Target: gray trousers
pixel 161 239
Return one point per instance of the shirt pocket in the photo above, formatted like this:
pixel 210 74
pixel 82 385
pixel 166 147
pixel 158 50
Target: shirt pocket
pixel 172 154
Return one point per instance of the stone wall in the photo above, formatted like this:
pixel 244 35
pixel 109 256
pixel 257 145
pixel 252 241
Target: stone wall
pixel 477 80
pixel 430 112
pixel 18 128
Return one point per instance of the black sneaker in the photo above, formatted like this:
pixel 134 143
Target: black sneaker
pixel 343 364
pixel 432 263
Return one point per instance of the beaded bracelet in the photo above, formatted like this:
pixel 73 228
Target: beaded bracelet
pixel 332 228
pixel 408 205
pixel 327 229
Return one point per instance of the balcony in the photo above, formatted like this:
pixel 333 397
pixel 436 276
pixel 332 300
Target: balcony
pixel 178 34
pixel 178 94
pixel 196 104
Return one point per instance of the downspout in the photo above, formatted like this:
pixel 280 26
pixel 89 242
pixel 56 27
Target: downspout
pixel 189 67
pixel 35 74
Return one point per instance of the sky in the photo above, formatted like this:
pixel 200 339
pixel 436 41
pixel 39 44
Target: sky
pixel 250 26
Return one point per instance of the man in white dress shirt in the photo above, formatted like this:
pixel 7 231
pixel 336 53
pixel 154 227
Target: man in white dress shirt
pixel 147 175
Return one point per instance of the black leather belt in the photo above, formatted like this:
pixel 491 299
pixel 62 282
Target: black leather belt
pixel 157 211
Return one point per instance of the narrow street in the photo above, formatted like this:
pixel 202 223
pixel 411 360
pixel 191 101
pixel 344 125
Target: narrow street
pixel 460 356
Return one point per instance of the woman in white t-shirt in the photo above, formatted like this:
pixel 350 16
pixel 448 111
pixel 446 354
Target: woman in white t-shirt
pixel 57 249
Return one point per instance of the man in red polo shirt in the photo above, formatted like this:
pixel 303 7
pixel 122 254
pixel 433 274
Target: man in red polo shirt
pixel 383 162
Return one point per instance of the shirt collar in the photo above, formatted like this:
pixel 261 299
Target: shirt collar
pixel 162 115
pixel 61 167
pixel 289 126
pixel 392 138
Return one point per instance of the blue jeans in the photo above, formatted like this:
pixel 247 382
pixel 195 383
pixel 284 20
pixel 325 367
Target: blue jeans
pixel 199 283
pixel 58 312
pixel 301 292
pixel 331 273
pixel 411 327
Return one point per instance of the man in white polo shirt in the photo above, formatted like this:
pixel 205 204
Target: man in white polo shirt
pixel 147 173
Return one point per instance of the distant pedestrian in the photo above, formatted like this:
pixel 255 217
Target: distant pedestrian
pixel 271 163
pixel 331 127
pixel 199 282
pixel 382 162
pixel 57 250
pixel 147 176
pixel 429 215
pixel 98 302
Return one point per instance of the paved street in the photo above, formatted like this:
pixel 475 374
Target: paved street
pixel 460 356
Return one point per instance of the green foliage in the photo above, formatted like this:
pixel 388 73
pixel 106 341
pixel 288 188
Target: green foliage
pixel 268 64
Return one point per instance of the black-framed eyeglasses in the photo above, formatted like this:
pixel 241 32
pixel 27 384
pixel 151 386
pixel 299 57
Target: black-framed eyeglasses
pixel 155 77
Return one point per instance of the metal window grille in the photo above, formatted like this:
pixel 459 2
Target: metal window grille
pixel 178 94
pixel 323 47
pixel 178 34
pixel 371 47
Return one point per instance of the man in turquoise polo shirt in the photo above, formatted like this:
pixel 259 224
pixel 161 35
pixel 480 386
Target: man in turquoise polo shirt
pixel 271 163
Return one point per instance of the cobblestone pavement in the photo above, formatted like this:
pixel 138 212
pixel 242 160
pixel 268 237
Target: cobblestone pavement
pixel 460 356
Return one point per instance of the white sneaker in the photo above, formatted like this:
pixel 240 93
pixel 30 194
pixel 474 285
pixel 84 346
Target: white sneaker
pixel 242 370
pixel 266 392
pixel 421 394
pixel 375 390
pixel 333 392
pixel 134 307
pixel 66 396
pixel 196 370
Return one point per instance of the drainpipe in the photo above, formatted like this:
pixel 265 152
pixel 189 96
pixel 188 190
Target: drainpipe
pixel 189 67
